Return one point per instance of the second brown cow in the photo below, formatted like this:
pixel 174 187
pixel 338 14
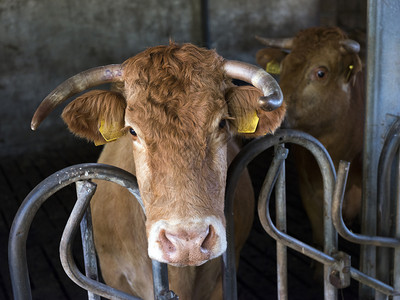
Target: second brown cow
pixel 322 82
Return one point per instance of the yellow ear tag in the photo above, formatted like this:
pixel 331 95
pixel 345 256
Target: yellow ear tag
pixel 351 67
pixel 248 123
pixel 273 67
pixel 110 133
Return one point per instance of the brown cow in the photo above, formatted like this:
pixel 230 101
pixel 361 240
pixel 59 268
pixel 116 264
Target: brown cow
pixel 322 83
pixel 175 111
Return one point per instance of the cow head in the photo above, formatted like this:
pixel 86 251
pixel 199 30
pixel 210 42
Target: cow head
pixel 317 71
pixel 179 108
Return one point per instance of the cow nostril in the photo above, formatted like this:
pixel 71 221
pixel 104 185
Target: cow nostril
pixel 209 240
pixel 166 244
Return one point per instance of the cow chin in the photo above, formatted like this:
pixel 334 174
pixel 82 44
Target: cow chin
pixel 187 242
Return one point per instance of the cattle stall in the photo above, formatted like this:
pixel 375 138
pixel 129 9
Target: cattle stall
pixel 256 275
pixel 260 253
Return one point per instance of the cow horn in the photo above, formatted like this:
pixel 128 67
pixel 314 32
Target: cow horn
pixel 351 46
pixel 283 43
pixel 74 85
pixel 272 98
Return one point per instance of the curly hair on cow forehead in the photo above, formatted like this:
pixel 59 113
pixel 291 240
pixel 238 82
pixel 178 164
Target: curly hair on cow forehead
pixel 179 88
pixel 176 79
pixel 184 63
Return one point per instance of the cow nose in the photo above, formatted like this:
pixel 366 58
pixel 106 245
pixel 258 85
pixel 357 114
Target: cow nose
pixel 187 242
pixel 187 247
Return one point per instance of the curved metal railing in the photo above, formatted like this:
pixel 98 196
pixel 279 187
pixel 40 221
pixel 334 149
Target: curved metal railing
pixel 337 268
pixel 80 174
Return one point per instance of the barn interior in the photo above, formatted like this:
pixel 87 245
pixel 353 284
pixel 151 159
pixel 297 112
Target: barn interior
pixel 45 42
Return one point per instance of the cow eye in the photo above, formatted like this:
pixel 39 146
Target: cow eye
pixel 133 132
pixel 320 73
pixel 222 124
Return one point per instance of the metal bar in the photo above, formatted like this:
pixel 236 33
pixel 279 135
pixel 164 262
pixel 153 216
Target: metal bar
pixel 373 283
pixel 338 220
pixel 270 228
pixel 160 282
pixel 386 201
pixel 381 288
pixel 89 252
pixel 330 234
pixel 254 148
pixel 160 278
pixel 281 250
pixel 382 103
pixel 23 219
pixel 251 150
pixel 86 192
pixel 263 211
pixel 229 285
pixel 205 30
pixel 396 259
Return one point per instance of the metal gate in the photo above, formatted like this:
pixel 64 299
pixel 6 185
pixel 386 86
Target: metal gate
pixel 81 216
pixel 81 175
pixel 337 267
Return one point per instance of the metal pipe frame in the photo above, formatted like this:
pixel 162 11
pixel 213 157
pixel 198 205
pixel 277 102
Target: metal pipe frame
pixel 81 174
pixel 254 148
pixel 89 251
pixel 337 263
pixel 19 231
pixel 86 191
pixel 338 219
pixel 328 173
pixel 382 104
pixel 358 238
pixel 387 204
pixel 281 224
pixel 396 260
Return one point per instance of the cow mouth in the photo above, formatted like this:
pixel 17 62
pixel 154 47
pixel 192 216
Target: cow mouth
pixel 182 265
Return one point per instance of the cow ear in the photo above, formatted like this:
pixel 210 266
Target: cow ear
pixel 97 116
pixel 353 68
pixel 247 118
pixel 270 59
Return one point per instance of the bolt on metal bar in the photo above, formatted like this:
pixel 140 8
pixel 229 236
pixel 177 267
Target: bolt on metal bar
pixel 340 275
pixel 89 252
pixel 281 250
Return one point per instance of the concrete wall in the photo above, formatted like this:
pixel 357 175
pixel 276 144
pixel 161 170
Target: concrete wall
pixel 43 42
pixel 234 23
